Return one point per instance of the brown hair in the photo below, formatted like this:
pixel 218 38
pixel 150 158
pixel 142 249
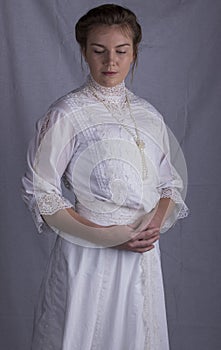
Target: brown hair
pixel 109 14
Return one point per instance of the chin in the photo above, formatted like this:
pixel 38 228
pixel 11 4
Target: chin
pixel 107 81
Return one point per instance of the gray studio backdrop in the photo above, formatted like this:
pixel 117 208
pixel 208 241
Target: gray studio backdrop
pixel 179 72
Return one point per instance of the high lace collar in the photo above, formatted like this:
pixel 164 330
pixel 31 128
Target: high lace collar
pixel 115 94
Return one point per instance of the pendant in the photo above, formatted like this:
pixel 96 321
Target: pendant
pixel 140 144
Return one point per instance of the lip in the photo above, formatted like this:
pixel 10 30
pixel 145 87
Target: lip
pixel 109 73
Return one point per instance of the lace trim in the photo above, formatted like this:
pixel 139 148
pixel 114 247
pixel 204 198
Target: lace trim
pixel 150 269
pixel 114 95
pixel 50 203
pixel 95 344
pixel 39 222
pixel 175 195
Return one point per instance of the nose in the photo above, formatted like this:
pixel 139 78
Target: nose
pixel 110 58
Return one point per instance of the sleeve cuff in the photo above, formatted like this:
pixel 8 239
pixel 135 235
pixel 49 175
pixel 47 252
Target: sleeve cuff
pixel 47 204
pixel 180 211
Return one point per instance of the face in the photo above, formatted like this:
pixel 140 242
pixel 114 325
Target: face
pixel 109 54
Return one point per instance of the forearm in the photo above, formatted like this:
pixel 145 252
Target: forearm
pixel 77 217
pixel 162 211
pixel 69 222
pixel 81 219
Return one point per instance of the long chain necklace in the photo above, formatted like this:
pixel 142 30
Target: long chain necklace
pixel 139 142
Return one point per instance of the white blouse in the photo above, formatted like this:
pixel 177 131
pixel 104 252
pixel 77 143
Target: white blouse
pixel 89 147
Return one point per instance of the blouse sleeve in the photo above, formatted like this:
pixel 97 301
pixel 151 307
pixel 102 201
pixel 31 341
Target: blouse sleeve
pixel 171 185
pixel 48 156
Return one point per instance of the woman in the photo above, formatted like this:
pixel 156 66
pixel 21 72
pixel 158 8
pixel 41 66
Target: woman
pixel 103 288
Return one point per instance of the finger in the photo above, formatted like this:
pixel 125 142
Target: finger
pixel 143 250
pixel 134 249
pixel 152 229
pixel 141 243
pixel 145 235
pixel 144 243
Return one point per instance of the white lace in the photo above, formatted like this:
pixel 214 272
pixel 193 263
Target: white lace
pixel 50 203
pixel 115 95
pixel 149 265
pixel 175 195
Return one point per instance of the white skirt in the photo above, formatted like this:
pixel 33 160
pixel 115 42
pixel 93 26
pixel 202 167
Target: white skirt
pixel 101 299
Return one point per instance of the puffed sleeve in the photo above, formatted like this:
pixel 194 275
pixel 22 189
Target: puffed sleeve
pixel 172 184
pixel 49 154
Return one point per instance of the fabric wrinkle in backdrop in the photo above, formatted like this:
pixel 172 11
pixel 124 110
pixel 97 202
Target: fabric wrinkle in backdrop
pixel 179 73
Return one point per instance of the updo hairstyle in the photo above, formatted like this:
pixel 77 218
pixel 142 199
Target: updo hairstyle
pixel 109 15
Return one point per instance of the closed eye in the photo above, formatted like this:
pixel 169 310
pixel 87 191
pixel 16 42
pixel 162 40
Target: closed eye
pixel 100 52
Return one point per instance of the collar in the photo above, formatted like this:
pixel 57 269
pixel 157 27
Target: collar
pixel 115 94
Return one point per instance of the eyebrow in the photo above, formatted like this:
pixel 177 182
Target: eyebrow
pixel 121 45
